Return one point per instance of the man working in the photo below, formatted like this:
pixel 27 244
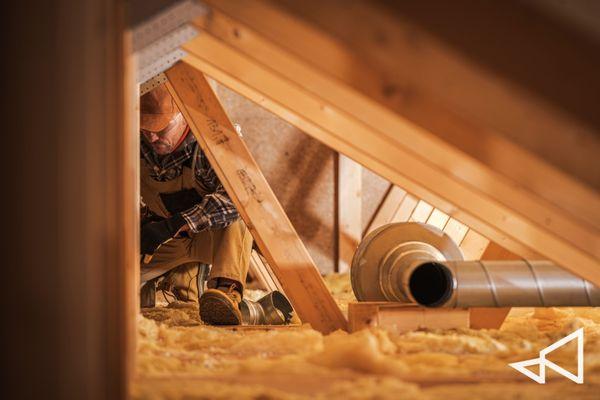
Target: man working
pixel 191 218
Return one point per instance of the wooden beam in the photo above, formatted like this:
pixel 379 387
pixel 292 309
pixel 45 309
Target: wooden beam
pixel 473 245
pixel 69 210
pixel 441 88
pixel 300 40
pixel 130 207
pixel 254 199
pixel 349 210
pixel 421 212
pixel 460 187
pixel 398 317
pixel 456 230
pixel 397 206
pixel 459 60
pixel 438 219
pixel 387 208
pixel 405 209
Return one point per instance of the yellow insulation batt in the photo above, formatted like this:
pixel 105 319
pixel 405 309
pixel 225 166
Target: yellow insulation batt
pixel 179 358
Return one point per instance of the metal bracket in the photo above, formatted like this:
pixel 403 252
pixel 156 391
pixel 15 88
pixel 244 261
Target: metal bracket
pixel 156 42
pixel 152 83
pixel 164 22
pixel 161 65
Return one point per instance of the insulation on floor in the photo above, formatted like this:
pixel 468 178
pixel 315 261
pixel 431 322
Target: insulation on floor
pixel 179 358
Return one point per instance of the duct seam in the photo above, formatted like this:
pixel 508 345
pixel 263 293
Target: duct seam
pixel 491 282
pixel 537 282
pixel 586 287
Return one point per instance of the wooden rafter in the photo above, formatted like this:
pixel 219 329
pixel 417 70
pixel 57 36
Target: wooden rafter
pixel 397 206
pixel 404 67
pixel 279 79
pixel 446 66
pixel 385 212
pixel 254 199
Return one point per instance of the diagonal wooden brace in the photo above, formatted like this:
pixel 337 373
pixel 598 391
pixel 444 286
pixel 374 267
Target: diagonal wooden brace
pixel 254 199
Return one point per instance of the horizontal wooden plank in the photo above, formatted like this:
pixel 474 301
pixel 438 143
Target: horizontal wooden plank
pixel 398 317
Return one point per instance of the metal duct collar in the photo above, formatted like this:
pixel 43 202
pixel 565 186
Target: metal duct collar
pixel 272 309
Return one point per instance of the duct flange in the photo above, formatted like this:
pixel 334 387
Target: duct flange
pixel 384 260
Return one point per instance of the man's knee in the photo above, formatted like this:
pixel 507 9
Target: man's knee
pixel 235 234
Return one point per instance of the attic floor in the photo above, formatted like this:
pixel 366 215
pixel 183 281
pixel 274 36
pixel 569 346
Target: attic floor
pixel 179 358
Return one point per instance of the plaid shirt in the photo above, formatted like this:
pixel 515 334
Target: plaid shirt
pixel 216 210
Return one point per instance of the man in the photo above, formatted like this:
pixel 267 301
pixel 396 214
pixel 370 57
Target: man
pixel 191 219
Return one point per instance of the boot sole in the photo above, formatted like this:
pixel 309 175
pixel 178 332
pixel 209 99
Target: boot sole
pixel 216 308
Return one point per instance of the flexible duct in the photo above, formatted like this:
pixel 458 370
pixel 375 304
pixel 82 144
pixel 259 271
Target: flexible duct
pixel 418 263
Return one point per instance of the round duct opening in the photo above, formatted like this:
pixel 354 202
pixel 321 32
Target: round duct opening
pixel 431 284
pixel 282 304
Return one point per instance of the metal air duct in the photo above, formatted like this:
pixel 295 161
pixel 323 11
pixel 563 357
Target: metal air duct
pixel 418 263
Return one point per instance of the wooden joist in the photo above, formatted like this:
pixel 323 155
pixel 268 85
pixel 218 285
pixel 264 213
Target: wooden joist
pixel 406 208
pixel 268 69
pixel 397 206
pixel 438 219
pixel 421 212
pixel 349 210
pixel 456 230
pixel 254 199
pixel 387 209
pixel 473 245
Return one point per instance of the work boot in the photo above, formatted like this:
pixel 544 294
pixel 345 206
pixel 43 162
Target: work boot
pixel 182 282
pixel 148 294
pixel 220 305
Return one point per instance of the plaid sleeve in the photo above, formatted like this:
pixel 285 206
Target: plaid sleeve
pixel 216 210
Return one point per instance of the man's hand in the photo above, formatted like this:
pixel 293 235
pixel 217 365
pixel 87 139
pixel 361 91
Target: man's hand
pixel 156 233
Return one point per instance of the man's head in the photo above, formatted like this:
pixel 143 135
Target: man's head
pixel 160 120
